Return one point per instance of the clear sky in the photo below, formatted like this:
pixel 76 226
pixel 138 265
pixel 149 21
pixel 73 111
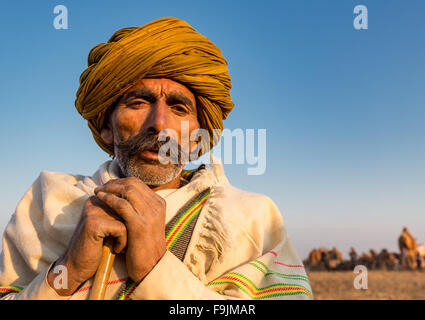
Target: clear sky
pixel 344 109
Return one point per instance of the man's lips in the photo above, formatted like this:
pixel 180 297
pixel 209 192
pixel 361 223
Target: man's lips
pixel 150 154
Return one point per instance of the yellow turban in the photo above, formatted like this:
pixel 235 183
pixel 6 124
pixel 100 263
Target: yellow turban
pixel 164 48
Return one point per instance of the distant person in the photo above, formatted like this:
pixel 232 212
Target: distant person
pixel 353 255
pixel 408 249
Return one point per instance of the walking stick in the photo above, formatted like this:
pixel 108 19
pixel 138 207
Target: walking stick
pixel 101 277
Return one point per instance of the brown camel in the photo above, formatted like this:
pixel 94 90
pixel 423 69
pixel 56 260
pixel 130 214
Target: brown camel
pixel 336 254
pixel 408 249
pixel 335 258
pixel 392 261
pixel 387 260
pixel 314 258
pixel 366 260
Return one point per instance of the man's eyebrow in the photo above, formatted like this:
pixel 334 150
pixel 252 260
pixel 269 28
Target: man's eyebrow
pixel 142 93
pixel 150 96
pixel 179 98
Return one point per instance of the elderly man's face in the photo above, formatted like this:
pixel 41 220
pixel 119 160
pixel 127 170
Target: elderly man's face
pixel 144 110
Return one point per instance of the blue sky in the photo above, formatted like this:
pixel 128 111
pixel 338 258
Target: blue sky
pixel 344 109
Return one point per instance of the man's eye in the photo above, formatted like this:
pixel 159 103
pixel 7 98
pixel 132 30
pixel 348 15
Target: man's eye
pixel 135 104
pixel 179 109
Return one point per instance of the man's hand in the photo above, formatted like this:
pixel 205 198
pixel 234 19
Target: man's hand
pixel 84 252
pixel 127 210
pixel 143 213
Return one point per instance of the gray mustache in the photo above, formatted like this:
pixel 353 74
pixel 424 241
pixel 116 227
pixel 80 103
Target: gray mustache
pixel 143 141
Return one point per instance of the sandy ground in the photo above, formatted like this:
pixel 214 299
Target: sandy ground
pixel 382 285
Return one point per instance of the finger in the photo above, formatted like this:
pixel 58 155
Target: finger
pixel 92 201
pixel 121 206
pixel 118 231
pixel 138 184
pixel 105 211
pixel 129 193
pixel 129 189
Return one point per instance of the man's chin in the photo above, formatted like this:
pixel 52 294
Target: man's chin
pixel 154 173
pixel 154 168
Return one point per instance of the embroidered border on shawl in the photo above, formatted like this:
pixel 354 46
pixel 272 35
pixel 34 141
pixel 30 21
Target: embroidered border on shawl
pixel 10 289
pixel 271 291
pixel 268 272
pixel 181 224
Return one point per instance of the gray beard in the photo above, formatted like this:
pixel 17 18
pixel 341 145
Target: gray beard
pixel 153 173
pixel 132 167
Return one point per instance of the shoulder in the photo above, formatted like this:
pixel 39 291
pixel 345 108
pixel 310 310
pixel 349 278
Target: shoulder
pixel 42 224
pixel 52 195
pixel 52 206
pixel 60 177
pixel 51 180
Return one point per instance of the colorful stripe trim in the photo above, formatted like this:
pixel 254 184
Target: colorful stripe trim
pixel 284 264
pixel 289 265
pixel 128 290
pixel 187 174
pixel 10 289
pixel 247 286
pixel 109 283
pixel 176 231
pixel 268 272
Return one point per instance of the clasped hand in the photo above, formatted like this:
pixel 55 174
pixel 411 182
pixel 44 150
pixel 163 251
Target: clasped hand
pixel 130 212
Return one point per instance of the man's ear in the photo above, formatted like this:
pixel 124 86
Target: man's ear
pixel 107 134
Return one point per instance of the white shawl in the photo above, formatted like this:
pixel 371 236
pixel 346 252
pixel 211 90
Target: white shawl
pixel 239 247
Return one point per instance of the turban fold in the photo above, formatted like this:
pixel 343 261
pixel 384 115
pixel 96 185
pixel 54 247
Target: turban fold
pixel 164 48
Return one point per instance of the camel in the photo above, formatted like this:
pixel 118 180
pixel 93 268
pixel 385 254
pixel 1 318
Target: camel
pixel 387 260
pixel 392 262
pixel 408 249
pixel 374 260
pixel 366 260
pixel 322 258
pixel 314 258
pixel 334 258
pixel 336 254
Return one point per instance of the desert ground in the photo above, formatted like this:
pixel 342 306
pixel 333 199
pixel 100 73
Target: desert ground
pixel 381 285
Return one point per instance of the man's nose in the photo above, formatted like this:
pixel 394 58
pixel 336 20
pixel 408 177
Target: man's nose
pixel 157 119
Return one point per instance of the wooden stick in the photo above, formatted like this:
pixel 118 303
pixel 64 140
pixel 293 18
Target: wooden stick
pixel 103 272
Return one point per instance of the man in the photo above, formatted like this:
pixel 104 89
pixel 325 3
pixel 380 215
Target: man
pixel 177 234
pixel 408 249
